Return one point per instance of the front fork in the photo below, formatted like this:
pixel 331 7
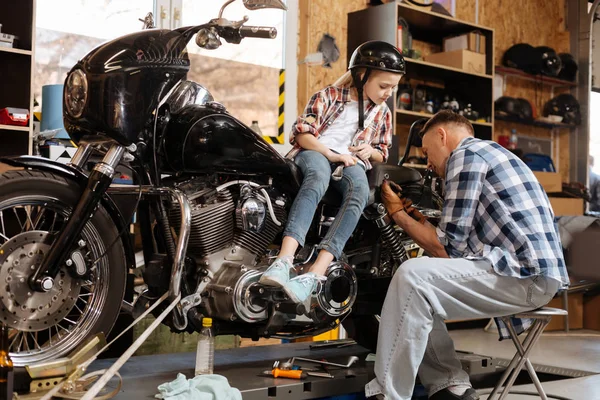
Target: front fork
pixel 42 280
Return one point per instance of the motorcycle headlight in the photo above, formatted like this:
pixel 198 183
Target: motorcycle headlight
pixel 76 93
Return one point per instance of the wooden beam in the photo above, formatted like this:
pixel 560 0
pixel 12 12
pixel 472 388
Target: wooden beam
pixel 303 49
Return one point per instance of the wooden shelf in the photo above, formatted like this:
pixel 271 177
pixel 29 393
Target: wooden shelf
pixel 547 80
pixel 447 70
pixel 411 116
pixel 540 124
pixel 432 27
pixel 16 51
pixel 14 128
pixel 16 70
pixel 381 23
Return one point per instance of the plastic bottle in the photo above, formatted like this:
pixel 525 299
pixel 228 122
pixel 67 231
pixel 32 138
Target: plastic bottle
pixel 255 127
pixel 205 352
pixel 512 144
pixel 6 366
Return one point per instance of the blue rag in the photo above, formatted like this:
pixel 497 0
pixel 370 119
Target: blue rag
pixel 201 387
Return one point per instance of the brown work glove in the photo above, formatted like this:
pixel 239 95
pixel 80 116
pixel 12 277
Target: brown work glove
pixel 394 203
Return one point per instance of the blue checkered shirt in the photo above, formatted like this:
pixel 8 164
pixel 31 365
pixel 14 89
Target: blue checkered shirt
pixel 495 209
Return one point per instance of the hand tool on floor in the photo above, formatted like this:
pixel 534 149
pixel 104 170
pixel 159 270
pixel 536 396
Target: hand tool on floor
pixel 351 361
pixel 320 374
pixel 332 343
pixel 285 373
pixel 325 368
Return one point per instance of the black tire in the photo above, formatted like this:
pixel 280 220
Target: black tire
pixel 107 287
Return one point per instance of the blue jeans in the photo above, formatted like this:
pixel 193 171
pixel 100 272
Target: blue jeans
pixel 353 186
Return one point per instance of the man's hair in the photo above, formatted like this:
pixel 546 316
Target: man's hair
pixel 447 117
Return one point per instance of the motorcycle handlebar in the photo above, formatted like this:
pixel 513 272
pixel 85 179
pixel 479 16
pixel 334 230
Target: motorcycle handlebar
pixel 261 32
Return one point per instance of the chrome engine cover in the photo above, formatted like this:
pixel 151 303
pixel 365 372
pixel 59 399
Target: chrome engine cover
pixel 235 294
pixel 338 293
pixel 231 296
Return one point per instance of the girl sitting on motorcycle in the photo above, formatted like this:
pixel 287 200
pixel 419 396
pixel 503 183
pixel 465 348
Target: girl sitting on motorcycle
pixel 334 132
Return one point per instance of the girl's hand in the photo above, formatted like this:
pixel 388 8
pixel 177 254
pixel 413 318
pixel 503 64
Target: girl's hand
pixel 345 159
pixel 362 151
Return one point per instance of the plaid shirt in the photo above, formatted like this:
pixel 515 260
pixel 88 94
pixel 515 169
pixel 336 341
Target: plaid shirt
pixel 326 105
pixel 495 209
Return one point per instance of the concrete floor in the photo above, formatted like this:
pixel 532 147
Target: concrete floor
pixel 577 351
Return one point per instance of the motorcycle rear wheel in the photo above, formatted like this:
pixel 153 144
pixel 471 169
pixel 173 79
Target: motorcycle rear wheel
pixel 34 206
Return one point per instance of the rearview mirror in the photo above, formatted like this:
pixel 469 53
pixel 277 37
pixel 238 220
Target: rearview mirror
pixel 258 4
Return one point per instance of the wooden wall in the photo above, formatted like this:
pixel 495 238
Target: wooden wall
pixel 537 22
pixel 318 17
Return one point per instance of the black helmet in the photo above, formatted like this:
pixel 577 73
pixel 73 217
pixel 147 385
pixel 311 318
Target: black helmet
pixel 507 106
pixel 520 56
pixel 566 106
pixel 549 62
pixel 569 67
pixel 378 55
pixel 373 55
pixel 525 109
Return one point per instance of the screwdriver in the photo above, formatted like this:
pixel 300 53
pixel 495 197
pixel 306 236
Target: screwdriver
pixel 285 373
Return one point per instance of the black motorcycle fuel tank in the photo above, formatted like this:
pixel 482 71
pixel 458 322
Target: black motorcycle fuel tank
pixel 126 79
pixel 206 137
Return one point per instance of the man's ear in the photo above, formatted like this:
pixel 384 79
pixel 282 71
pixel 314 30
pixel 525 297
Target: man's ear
pixel 443 135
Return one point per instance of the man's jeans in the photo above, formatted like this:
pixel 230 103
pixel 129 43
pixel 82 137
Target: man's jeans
pixel 423 293
pixel 353 186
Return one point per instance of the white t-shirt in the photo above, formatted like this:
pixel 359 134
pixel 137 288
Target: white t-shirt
pixel 338 137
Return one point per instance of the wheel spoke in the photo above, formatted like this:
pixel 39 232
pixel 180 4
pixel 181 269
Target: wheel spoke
pixel 78 309
pixel 25 341
pixel 2 224
pixel 35 336
pixel 21 341
pixel 14 339
pixel 28 214
pixel 38 216
pixel 19 220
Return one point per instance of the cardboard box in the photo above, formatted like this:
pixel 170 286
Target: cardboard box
pixel 564 206
pixel 473 41
pixel 575 313
pixel 591 313
pixel 550 181
pixel 466 60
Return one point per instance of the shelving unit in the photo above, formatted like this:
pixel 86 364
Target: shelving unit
pixel 16 51
pixel 407 117
pixel 381 23
pixel 16 69
pixel 541 124
pixel 545 80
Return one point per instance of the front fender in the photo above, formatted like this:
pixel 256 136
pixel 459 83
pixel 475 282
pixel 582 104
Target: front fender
pixel 66 171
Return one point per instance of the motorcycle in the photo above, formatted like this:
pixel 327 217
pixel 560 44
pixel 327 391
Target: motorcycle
pixel 211 198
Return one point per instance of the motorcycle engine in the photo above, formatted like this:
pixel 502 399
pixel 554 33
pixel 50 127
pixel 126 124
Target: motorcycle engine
pixel 234 225
pixel 232 229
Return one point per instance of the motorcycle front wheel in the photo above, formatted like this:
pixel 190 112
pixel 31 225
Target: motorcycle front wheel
pixel 34 207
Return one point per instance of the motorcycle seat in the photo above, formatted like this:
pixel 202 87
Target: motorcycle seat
pixel 375 176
